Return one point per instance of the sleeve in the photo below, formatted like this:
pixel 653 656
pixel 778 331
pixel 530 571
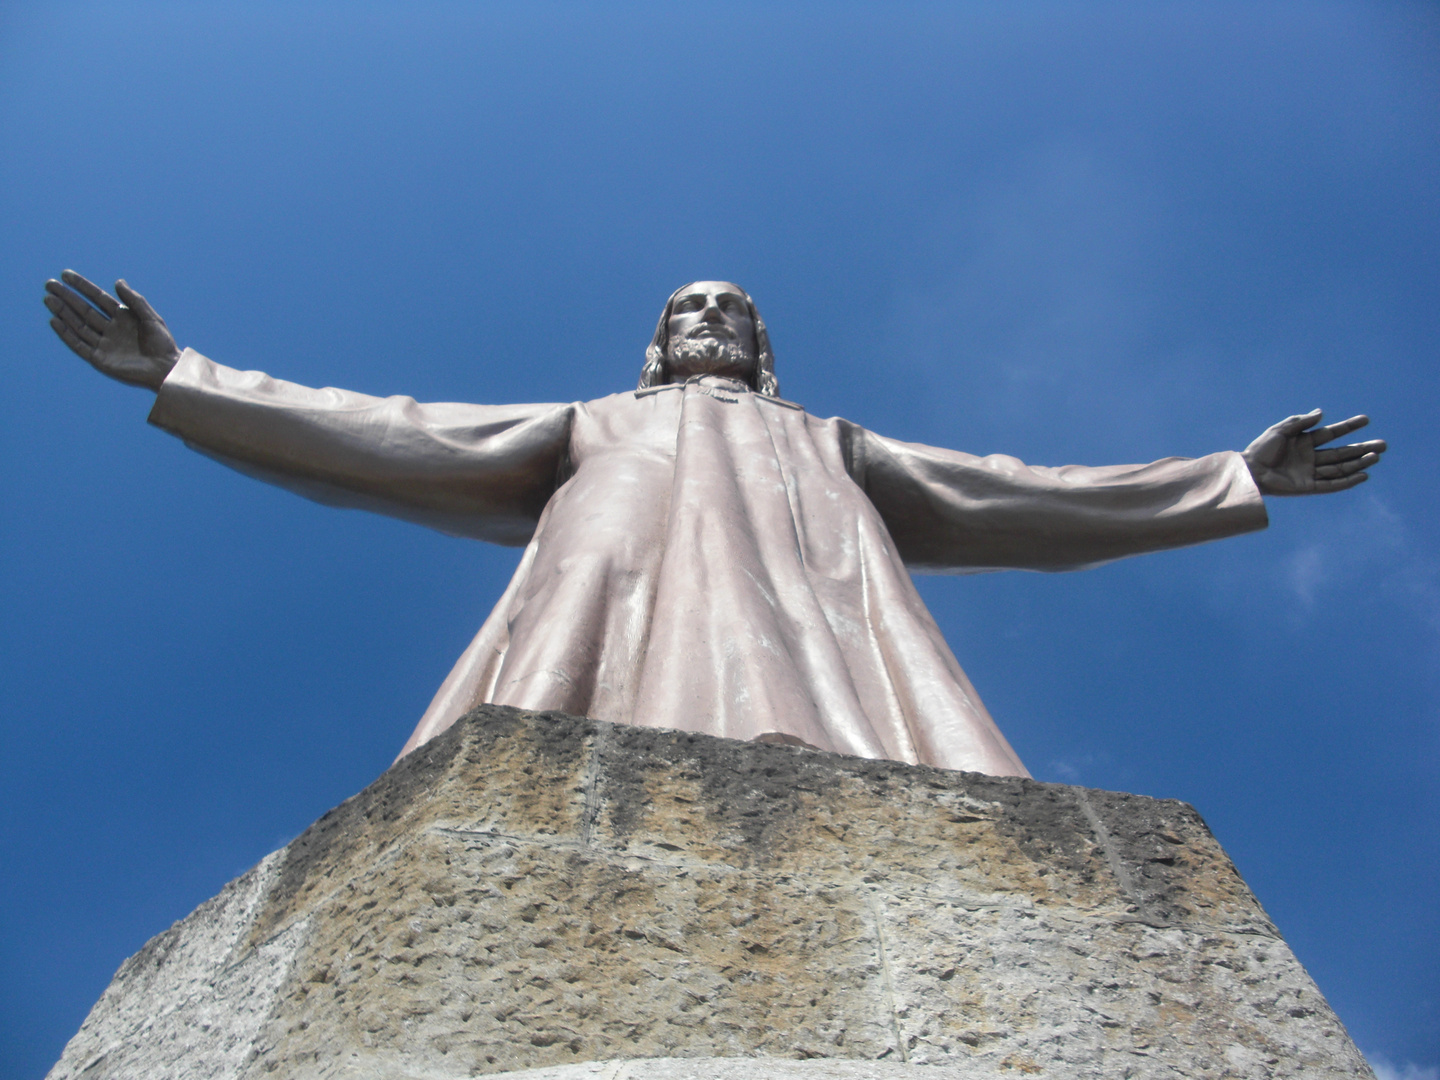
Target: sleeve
pixel 950 512
pixel 479 471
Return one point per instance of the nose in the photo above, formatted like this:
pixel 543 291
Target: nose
pixel 712 311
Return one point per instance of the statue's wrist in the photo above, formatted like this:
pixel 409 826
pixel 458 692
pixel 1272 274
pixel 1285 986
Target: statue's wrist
pixel 161 370
pixel 1252 466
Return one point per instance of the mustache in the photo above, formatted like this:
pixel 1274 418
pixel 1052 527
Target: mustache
pixel 711 329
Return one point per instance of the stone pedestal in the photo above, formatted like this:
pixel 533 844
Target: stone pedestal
pixel 541 892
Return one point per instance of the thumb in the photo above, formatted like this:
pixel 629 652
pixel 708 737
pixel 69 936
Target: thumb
pixel 1292 425
pixel 133 300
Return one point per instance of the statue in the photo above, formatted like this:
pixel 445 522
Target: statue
pixel 699 552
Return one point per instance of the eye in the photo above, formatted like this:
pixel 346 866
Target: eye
pixel 731 306
pixel 690 303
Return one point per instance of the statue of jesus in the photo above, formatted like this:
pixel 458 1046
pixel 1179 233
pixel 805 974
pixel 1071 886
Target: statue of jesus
pixel 699 552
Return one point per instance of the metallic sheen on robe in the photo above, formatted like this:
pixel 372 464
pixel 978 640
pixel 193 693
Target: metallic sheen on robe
pixel 702 557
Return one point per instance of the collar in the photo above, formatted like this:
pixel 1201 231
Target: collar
pixel 720 387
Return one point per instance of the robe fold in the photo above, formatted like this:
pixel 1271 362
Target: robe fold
pixel 706 558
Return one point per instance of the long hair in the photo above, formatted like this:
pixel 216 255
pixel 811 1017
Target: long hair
pixel 654 373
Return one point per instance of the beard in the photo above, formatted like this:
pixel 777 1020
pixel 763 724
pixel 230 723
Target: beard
pixel 708 356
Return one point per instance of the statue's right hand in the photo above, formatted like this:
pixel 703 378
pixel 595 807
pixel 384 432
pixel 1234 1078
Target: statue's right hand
pixel 128 341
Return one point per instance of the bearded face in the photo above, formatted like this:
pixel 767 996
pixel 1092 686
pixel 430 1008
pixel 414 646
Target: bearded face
pixel 710 332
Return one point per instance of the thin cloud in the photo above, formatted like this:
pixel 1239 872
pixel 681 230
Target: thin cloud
pixel 1307 572
pixel 1073 770
pixel 1374 550
pixel 1385 1069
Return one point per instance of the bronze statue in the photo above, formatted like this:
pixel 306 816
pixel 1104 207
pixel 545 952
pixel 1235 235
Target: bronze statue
pixel 699 552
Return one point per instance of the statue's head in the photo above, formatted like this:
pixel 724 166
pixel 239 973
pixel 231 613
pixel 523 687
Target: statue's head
pixel 710 328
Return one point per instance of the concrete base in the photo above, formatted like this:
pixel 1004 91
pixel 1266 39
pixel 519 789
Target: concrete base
pixel 585 900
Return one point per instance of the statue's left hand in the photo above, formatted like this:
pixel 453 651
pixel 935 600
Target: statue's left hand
pixel 129 342
pixel 1284 459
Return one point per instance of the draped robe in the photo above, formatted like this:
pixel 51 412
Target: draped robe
pixel 707 558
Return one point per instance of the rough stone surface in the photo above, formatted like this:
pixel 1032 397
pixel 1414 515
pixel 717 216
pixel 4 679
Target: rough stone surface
pixel 540 892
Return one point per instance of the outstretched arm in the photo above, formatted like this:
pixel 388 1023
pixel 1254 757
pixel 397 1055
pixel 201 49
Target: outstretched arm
pixel 950 512
pixel 129 342
pixel 1284 461
pixel 482 471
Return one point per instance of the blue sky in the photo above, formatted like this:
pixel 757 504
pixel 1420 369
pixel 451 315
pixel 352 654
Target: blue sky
pixel 1074 233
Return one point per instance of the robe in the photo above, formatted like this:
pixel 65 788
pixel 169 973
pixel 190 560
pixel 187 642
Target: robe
pixel 704 557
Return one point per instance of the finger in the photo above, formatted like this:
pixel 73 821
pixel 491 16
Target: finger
pixel 78 347
pixel 1354 450
pixel 135 301
pixel 92 292
pixel 73 300
pixel 1345 468
pixel 1324 487
pixel 75 310
pixel 1334 431
pixel 74 320
pixel 1293 425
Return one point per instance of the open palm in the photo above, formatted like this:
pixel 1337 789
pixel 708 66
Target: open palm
pixel 128 341
pixel 1284 459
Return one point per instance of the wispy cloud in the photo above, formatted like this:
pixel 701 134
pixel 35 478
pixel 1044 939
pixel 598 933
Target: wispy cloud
pixel 1375 549
pixel 1049 296
pixel 1073 770
pixel 1306 573
pixel 1385 1069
